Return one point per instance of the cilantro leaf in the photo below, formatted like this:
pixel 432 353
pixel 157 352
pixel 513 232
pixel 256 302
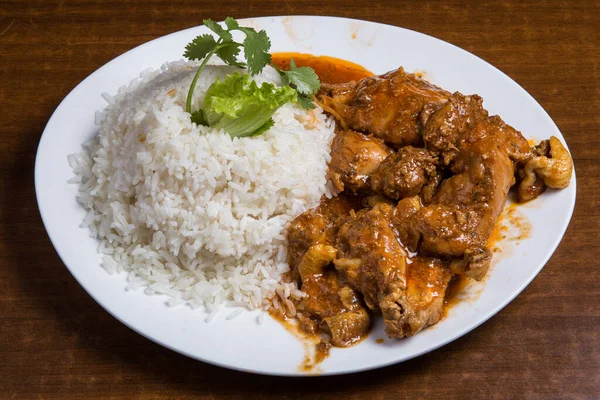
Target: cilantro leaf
pixel 306 102
pixel 216 28
pixel 284 78
pixel 200 47
pixel 228 52
pixel 304 78
pixel 256 50
pixel 231 23
pixel 198 118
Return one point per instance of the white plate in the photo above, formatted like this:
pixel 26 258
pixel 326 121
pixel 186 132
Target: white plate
pixel 241 343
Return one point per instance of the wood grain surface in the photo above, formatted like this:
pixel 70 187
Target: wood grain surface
pixel 57 343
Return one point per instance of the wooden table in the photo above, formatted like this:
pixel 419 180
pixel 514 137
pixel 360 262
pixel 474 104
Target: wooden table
pixel 56 342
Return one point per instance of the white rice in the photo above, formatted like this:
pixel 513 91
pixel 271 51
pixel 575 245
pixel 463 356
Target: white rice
pixel 190 212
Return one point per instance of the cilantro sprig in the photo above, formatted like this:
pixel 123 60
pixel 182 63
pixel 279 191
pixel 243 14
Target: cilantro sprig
pixel 256 46
pixel 304 80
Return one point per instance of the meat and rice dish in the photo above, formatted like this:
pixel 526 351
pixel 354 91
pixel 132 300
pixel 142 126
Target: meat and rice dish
pixel 330 202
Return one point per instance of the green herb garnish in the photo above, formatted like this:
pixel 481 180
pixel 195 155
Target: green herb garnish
pixel 303 81
pixel 203 47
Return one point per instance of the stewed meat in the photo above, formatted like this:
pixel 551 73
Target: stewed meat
pixel 408 172
pixel 354 157
pixel 429 173
pixel 319 225
pixel 461 217
pixel 387 106
pixel 421 304
pixel 445 124
pixel 330 305
pixel 551 165
pixel 370 257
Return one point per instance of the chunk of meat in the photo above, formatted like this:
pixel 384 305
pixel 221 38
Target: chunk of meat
pixel 306 230
pixel 370 257
pixel 318 225
pixel 421 304
pixel 530 190
pixel 377 199
pixel 410 296
pixel 314 261
pixel 334 210
pixel 354 157
pixel 351 325
pixel 319 282
pixel 329 304
pixel 401 220
pixel 387 106
pixel 550 166
pixel 445 124
pixel 408 172
pixel 460 219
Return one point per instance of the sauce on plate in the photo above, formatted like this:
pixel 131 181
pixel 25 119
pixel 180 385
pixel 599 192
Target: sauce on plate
pixel 315 349
pixel 328 69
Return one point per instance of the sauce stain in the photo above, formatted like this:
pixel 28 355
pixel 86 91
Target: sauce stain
pixel 250 23
pixel 328 69
pixel 361 35
pixel 499 232
pixel 519 222
pixel 315 349
pixel 313 356
pixel 465 290
pixel 512 227
pixel 421 73
pixel 287 26
pixel 379 341
pixel 294 35
pixel 460 290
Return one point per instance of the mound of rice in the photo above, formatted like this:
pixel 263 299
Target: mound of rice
pixel 190 212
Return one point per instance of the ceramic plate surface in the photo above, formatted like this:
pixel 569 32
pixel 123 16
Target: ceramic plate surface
pixel 269 348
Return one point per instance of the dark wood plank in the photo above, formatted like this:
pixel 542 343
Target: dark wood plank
pixel 57 343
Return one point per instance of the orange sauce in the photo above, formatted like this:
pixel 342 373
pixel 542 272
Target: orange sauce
pixel 313 357
pixel 315 350
pixel 498 233
pixel 455 288
pixel 512 226
pixel 379 341
pixel 519 222
pixel 509 220
pixel 328 69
